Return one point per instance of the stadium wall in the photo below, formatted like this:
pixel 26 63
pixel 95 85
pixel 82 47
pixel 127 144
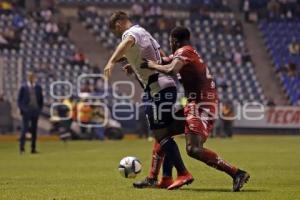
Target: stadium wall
pixel 269 120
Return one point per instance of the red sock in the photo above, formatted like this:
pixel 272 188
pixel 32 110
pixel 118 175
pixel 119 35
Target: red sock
pixel 156 162
pixel 213 160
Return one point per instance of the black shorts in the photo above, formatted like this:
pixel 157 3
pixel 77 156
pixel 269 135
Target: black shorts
pixel 159 108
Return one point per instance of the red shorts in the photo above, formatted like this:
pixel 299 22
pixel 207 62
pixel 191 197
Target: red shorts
pixel 199 119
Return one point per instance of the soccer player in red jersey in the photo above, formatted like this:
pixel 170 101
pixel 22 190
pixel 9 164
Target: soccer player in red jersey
pixel 201 108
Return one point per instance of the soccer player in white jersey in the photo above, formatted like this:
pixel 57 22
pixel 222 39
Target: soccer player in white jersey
pixel 138 44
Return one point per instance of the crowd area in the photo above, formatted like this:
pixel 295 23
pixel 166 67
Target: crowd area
pixel 81 113
pixel 10 34
pixel 270 9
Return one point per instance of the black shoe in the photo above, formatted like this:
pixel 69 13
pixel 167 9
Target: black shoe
pixel 22 151
pixel 147 183
pixel 34 152
pixel 239 180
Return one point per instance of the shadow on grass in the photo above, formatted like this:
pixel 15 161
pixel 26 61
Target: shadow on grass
pixel 221 190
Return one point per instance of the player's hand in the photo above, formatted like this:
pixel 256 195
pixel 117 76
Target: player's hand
pixel 167 59
pixel 108 70
pixel 151 64
pixel 128 69
pixel 148 64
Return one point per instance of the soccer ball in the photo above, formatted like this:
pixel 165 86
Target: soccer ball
pixel 130 167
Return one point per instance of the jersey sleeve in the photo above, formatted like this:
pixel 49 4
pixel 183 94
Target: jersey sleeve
pixel 184 55
pixel 134 34
pixel 155 43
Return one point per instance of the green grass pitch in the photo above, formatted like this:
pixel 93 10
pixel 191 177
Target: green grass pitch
pixel 88 170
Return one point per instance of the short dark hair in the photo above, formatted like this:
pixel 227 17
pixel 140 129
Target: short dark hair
pixel 181 34
pixel 116 16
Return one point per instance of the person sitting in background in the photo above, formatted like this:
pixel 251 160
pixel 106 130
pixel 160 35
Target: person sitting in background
pixel 137 10
pixel 78 58
pixel 18 22
pixel 238 28
pixel 13 40
pixel 246 57
pixel 46 15
pixel 64 27
pixel 271 102
pixel 6 120
pixel 294 48
pixel 50 4
pixel 3 42
pixel 221 81
pixel 154 10
pixel 237 57
pixel 52 31
pixel 273 9
pixel 290 69
pixel 86 89
pixel 5 7
pixel 227 115
pixel 161 24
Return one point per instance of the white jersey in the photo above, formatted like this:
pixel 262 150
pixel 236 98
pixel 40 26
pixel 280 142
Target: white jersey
pixel 147 47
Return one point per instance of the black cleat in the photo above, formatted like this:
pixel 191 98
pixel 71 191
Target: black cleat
pixel 239 180
pixel 34 152
pixel 147 183
pixel 22 151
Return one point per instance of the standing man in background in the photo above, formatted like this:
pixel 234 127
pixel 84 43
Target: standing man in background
pixel 227 119
pixel 30 102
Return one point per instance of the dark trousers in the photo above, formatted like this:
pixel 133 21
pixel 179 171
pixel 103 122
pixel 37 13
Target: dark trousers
pixel 227 125
pixel 29 124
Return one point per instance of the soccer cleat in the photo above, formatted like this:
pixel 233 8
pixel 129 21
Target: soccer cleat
pixel 181 181
pixel 239 180
pixel 147 183
pixel 165 182
pixel 22 151
pixel 34 152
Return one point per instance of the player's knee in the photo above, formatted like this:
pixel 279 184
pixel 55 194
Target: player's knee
pixel 195 152
pixel 192 151
pixel 160 134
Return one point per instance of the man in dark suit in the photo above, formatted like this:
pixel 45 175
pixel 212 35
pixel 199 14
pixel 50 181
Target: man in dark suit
pixel 30 102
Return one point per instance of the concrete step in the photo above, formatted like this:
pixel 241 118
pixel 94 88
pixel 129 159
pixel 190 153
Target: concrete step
pixel 263 67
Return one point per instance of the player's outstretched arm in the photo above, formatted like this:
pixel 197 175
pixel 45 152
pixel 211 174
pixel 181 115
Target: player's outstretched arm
pixel 173 68
pixel 127 43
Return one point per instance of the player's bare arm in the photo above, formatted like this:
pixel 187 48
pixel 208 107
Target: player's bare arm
pixel 122 48
pixel 173 68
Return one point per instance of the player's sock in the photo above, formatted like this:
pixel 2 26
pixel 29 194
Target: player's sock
pixel 213 160
pixel 156 162
pixel 171 150
pixel 167 167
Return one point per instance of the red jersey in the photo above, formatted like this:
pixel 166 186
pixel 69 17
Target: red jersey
pixel 198 83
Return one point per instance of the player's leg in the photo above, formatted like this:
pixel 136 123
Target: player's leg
pixel 196 150
pixel 168 147
pixel 24 130
pixel 156 162
pixel 167 178
pixel 34 124
pixel 176 128
pixel 161 131
pixel 199 124
pixel 158 157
